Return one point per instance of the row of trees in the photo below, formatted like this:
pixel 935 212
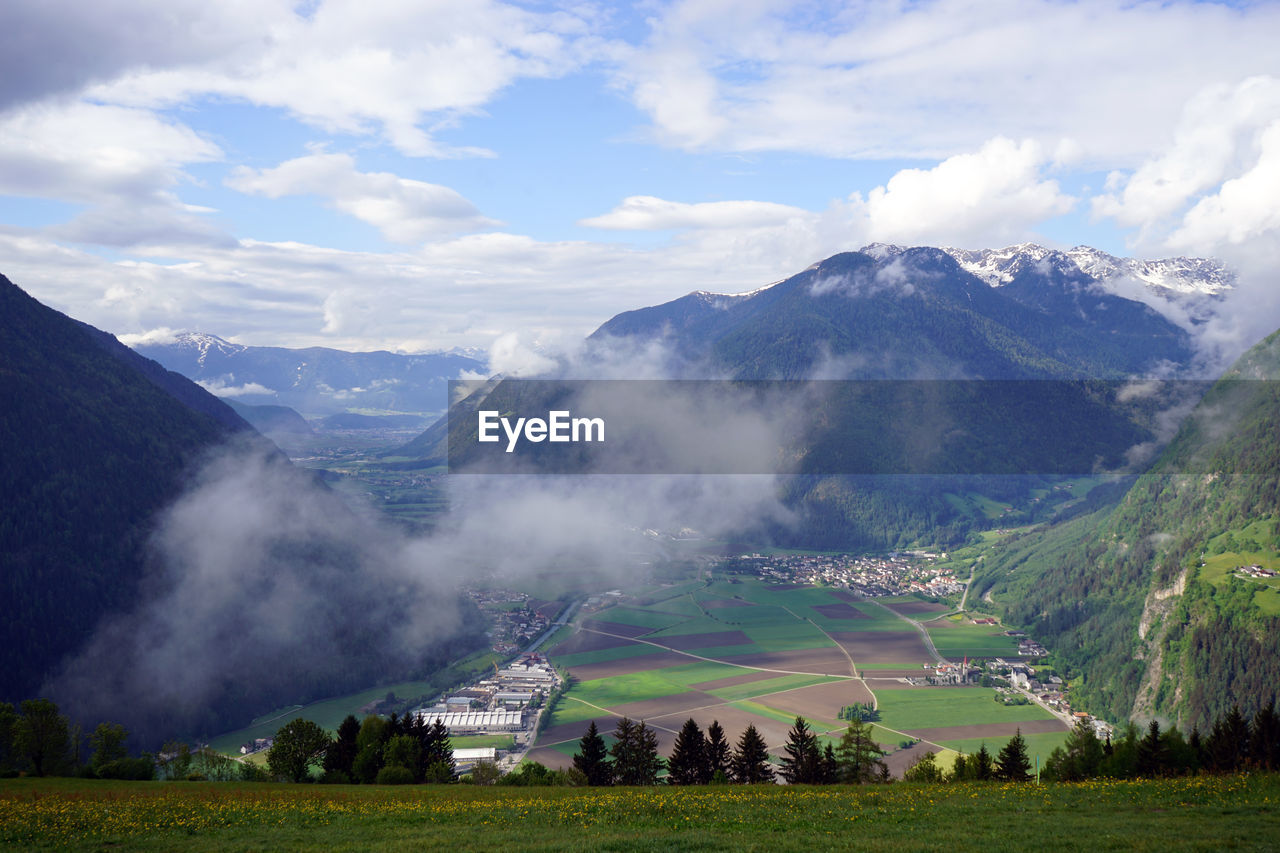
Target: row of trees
pixel 36 738
pixel 1012 764
pixel 699 758
pixel 1234 744
pixel 393 751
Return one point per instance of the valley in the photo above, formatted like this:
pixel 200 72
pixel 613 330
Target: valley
pixel 628 427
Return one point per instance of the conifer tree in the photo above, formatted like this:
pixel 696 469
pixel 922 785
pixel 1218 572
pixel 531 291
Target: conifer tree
pixel 1153 752
pixel 749 764
pixel 341 754
pixel 593 758
pixel 1012 764
pixel 801 765
pixel 437 754
pixel 828 767
pixel 858 756
pixel 1264 739
pixel 635 754
pixel 1228 743
pixel 1079 758
pixel 717 759
pixel 983 768
pixel 688 762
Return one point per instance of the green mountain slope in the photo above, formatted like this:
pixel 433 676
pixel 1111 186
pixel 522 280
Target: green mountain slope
pixel 94 442
pixel 1144 601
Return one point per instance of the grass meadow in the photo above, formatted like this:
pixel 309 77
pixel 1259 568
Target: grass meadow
pixel 1204 813
pixel 926 708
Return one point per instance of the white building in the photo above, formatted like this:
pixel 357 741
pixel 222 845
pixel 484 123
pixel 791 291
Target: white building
pixel 458 722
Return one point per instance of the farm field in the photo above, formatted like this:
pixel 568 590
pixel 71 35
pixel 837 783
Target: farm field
pixel 743 652
pixel 1200 813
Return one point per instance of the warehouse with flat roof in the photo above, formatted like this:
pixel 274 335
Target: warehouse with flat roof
pixel 458 722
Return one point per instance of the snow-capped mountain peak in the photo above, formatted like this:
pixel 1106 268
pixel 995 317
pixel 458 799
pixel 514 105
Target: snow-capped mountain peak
pixel 204 343
pixel 1184 276
pixel 1203 276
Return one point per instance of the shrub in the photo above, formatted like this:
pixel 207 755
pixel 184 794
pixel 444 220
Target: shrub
pixel 136 769
pixel 395 775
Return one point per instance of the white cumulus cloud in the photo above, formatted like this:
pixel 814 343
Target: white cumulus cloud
pixel 650 213
pixel 993 196
pixel 404 210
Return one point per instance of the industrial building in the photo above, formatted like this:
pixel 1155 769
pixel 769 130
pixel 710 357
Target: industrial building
pixel 459 722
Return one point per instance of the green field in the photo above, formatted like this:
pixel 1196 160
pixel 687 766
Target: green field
pixel 771 685
pixel 329 713
pixel 571 711
pixel 1219 567
pixel 635 650
pixel 628 687
pixel 782 621
pixel 698 624
pixel 935 707
pixel 481 741
pixel 1037 744
pixel 652 619
pixel 1204 813
pixel 975 641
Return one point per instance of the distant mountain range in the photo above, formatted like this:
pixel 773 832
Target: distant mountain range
pixel 1187 276
pixel 315 381
pixel 920 313
pixel 892 313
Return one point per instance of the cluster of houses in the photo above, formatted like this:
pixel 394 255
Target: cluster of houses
pixel 1027 647
pixel 514 618
pixel 950 673
pixel 258 744
pixel 1047 688
pixel 899 573
pixel 1255 571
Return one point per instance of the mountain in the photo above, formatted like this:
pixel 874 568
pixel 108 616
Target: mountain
pixel 96 439
pixel 272 420
pixel 1150 605
pixel 892 313
pixel 164 567
pixel 896 313
pixel 1186 276
pixel 356 421
pixel 316 380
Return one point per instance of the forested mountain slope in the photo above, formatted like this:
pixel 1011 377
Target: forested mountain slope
pixel 95 440
pixel 1146 601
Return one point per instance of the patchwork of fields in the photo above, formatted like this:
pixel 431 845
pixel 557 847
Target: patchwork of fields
pixel 741 651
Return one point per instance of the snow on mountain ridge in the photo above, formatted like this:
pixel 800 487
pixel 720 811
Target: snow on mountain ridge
pixel 1204 276
pixel 1185 276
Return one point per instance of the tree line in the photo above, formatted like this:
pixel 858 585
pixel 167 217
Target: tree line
pixel 1234 744
pixel 36 739
pixel 702 758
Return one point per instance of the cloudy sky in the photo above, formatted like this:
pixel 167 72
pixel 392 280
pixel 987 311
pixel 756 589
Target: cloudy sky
pixel 424 174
